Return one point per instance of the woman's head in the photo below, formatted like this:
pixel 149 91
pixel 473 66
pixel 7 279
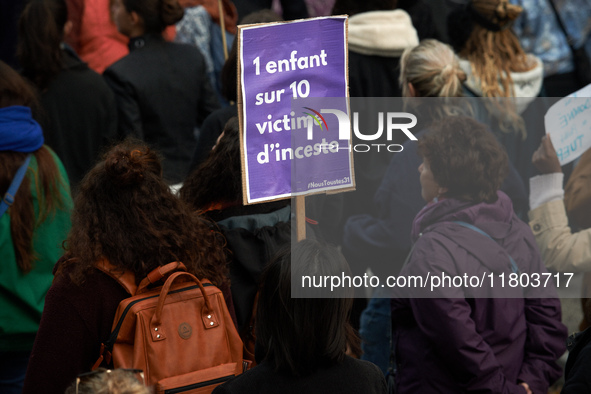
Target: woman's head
pixel 19 136
pixel 432 69
pixel 137 17
pixel 298 334
pixel 230 70
pixel 124 212
pixel 463 160
pixel 218 180
pixel 41 31
pixel 14 90
pixel 117 381
pixel 482 34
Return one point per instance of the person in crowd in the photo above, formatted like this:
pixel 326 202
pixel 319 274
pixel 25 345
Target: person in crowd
pixel 539 32
pixel 472 338
pixel 93 35
pixel 32 228
pixel 562 250
pixel 560 219
pixel 431 73
pixel 200 27
pixel 214 124
pixel 106 381
pixel 254 233
pixel 378 33
pixel 125 220
pixel 576 371
pixel 79 111
pixel 171 96
pixel 497 67
pixel 303 341
pixel 492 57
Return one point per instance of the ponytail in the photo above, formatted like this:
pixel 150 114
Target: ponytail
pixel 433 69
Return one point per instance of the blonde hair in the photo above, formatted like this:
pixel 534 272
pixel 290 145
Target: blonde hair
pixel 433 69
pixel 494 54
pixel 117 381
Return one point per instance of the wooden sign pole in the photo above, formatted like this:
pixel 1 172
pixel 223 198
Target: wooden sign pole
pixel 223 26
pixel 300 217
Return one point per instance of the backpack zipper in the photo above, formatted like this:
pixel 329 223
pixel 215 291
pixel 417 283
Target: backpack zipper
pixel 198 385
pixel 113 337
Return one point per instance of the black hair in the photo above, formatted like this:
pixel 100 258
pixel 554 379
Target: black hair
pixel 156 14
pixel 41 30
pixel 219 178
pixel 298 335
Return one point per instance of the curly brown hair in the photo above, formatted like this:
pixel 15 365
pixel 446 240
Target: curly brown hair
pixel 124 212
pixel 465 157
pixel 219 178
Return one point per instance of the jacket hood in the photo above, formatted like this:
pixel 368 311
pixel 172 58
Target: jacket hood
pixel 527 84
pixel 382 33
pixel 497 220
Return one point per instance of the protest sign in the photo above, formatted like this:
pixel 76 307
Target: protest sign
pixel 568 123
pixel 291 149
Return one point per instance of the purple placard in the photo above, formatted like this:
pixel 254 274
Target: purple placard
pixel 305 58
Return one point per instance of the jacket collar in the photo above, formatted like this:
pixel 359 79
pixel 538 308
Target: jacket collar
pixel 141 41
pixel 449 210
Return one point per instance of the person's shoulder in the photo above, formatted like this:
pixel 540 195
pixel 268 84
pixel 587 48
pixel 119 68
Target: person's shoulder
pixel 364 366
pixel 184 49
pixel 364 374
pixel 247 382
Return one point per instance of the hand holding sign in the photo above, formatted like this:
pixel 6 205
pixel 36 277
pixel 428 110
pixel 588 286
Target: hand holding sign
pixel 569 123
pixel 545 158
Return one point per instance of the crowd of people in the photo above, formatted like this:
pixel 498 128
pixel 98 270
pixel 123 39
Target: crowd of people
pixel 120 148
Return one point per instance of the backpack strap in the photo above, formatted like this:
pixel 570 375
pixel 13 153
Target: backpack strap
pixel 514 267
pixel 8 198
pixel 125 279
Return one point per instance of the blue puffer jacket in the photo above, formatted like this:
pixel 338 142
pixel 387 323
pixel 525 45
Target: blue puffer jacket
pixel 462 342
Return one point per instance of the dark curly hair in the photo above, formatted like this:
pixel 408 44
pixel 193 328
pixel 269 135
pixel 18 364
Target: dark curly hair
pixel 218 180
pixel 124 212
pixel 465 157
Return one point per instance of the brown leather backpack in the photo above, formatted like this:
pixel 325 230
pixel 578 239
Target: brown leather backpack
pixel 180 334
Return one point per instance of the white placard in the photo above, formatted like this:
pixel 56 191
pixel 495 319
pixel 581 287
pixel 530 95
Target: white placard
pixel 568 123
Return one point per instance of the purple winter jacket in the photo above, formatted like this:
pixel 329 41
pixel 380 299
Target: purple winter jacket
pixel 462 342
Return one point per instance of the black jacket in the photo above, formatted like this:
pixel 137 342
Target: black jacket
pixel 163 94
pixel 79 116
pixel 576 371
pixel 351 376
pixel 254 234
